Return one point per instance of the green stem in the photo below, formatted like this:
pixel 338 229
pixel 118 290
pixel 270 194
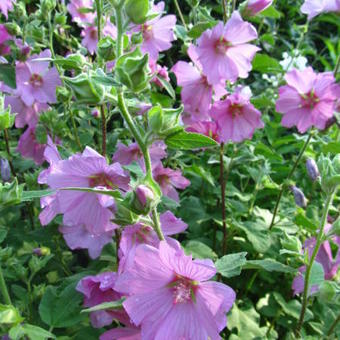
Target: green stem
pixel 180 14
pixel 130 122
pixel 319 239
pixel 99 18
pixel 3 289
pixel 223 185
pixel 6 135
pixel 333 326
pixel 225 14
pixel 291 173
pixel 76 136
pixel 337 67
pixel 103 118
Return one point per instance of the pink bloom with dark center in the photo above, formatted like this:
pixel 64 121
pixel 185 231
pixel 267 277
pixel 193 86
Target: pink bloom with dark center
pixel 125 155
pixel 207 128
pixel 28 146
pixel 257 6
pixel 168 180
pixel 25 115
pixel 196 92
pixel 4 37
pixel 88 170
pixel 307 100
pixel 36 81
pixel 315 7
pixel 90 35
pixel 77 9
pixel 158 33
pixel 5 6
pixel 224 51
pixel 324 257
pixel 236 117
pixel 98 289
pixel 170 297
pixel 137 234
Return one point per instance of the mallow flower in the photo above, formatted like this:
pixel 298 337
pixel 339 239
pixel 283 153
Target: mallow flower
pixel 77 9
pixel 257 6
pixel 36 81
pixel 4 38
pixel 169 295
pixel 5 6
pixel 197 92
pixel 158 33
pixel 308 99
pixel 236 117
pixel 98 289
pixel 315 7
pixel 224 51
pixel 169 179
pixel 86 170
pixel 324 257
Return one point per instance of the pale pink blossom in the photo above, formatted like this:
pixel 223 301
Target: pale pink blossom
pixel 4 38
pixel 5 6
pixel 257 6
pixel 315 7
pixel 77 9
pixel 224 51
pixel 308 99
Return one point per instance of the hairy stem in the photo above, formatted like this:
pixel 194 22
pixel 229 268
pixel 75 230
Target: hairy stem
pixel 76 136
pixel 333 326
pixel 337 67
pixel 180 14
pixel 6 135
pixel 129 120
pixel 223 185
pixel 291 173
pixel 319 239
pixel 103 117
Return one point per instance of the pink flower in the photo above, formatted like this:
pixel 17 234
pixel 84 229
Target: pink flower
pixel 79 237
pixel 137 234
pixel 28 146
pixel 25 115
pixel 224 51
pixel 36 81
pixel 158 33
pixel 324 257
pixel 206 128
pixel 4 37
pixel 196 92
pixel 315 7
pixel 90 35
pixel 168 180
pixel 307 100
pixel 170 297
pixel 256 6
pixel 76 9
pixel 5 6
pixel 88 170
pixel 98 289
pixel 158 71
pixel 236 117
pixel 126 333
pixel 125 155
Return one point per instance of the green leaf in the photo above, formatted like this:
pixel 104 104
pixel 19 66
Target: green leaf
pixel 112 193
pixel 265 64
pixel 7 75
pixel 331 147
pixel 269 265
pixel 188 141
pixel 167 87
pixel 104 306
pixel 199 250
pixel 31 195
pixel 271 12
pixel 231 265
pixel 31 331
pixel 61 308
pixel 317 275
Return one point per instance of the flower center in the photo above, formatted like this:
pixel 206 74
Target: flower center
pixel 183 289
pixel 309 100
pixel 163 179
pixel 147 32
pixel 236 110
pixel 36 80
pixel 222 46
pixel 93 34
pixel 101 180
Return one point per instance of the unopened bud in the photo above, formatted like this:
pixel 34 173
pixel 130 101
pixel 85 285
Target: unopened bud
pixel 312 169
pixel 42 251
pixel 5 170
pixel 95 113
pixel 299 197
pixel 143 199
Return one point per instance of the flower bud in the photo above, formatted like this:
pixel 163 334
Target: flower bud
pixel 299 197
pixel 123 215
pixel 13 28
pixel 254 7
pixel 60 18
pixel 63 94
pixel 132 70
pixel 85 89
pixel 143 200
pixel 137 10
pixel 5 170
pixel 291 243
pixel 11 193
pixel 42 251
pixel 47 6
pixel 95 113
pixel 106 49
pixel 312 169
